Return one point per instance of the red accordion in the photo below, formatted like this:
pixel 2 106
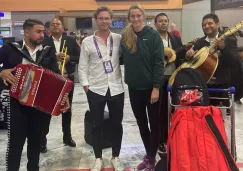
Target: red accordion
pixel 40 88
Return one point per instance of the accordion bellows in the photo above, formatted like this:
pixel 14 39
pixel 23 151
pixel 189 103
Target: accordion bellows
pixel 40 88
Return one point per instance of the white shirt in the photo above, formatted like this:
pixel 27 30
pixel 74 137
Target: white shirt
pixel 57 43
pixel 211 40
pixel 166 42
pixel 31 52
pixel 91 68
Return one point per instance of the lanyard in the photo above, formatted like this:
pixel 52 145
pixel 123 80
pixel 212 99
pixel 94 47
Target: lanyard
pixel 97 47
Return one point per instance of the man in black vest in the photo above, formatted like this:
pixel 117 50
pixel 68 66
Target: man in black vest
pixel 229 59
pixel 25 122
pixel 60 42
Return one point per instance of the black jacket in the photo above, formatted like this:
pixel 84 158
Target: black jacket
pixel 231 42
pixel 179 48
pixel 73 51
pixel 10 57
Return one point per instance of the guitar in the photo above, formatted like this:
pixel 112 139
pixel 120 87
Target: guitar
pixel 206 59
pixel 172 59
pixel 168 60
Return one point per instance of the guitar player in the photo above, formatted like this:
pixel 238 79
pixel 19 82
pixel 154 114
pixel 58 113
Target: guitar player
pixel 228 59
pixel 173 42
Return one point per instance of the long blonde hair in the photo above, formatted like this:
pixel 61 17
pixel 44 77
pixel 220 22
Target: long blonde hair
pixel 129 36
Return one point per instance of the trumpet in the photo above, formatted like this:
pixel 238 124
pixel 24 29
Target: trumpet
pixel 62 62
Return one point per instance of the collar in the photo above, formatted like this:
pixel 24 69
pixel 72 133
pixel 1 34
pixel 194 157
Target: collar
pixel 38 47
pixel 56 39
pixel 208 39
pixel 98 36
pixel 166 38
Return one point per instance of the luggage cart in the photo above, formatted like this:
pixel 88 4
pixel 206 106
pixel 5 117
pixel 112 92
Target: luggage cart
pixel 228 113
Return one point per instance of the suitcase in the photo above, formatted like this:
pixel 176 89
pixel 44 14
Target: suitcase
pixel 4 106
pixel 106 132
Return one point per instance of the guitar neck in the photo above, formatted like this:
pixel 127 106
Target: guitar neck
pixel 229 32
pixel 221 37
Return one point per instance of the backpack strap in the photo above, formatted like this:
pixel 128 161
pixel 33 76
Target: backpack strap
pixel 19 49
pixel 21 52
pixel 217 135
pixel 43 53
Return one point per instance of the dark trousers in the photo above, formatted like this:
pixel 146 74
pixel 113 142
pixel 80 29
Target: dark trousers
pixel 164 114
pixel 115 106
pixel 66 123
pixel 140 100
pixel 25 122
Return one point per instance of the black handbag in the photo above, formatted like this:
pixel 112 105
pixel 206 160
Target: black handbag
pixel 88 124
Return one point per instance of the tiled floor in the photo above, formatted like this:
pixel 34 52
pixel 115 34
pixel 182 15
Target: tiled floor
pixel 60 157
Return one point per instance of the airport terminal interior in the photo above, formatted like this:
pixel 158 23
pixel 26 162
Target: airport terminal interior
pixel 78 22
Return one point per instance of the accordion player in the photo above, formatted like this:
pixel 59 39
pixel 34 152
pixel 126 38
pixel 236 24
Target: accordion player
pixel 40 88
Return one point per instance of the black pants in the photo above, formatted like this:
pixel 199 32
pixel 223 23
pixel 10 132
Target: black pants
pixel 164 114
pixel 140 100
pixel 115 106
pixel 25 122
pixel 66 122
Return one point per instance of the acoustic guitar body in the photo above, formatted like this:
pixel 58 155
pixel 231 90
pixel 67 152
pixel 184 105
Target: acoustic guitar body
pixel 171 59
pixel 203 61
pixel 207 63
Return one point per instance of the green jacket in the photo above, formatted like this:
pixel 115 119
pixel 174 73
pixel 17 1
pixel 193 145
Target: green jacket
pixel 144 69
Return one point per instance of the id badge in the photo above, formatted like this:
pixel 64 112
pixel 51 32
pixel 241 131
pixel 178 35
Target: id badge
pixel 108 66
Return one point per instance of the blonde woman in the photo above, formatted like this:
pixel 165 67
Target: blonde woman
pixel 142 55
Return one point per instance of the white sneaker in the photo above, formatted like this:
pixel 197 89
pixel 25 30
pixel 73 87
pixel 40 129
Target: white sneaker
pixel 98 165
pixel 116 163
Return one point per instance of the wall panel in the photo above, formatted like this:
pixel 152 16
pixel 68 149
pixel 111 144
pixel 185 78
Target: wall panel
pixel 192 15
pixel 231 17
pixel 55 5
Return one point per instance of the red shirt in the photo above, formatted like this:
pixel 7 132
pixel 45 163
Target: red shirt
pixel 176 32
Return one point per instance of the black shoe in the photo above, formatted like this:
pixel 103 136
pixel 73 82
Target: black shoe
pixel 43 149
pixel 69 142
